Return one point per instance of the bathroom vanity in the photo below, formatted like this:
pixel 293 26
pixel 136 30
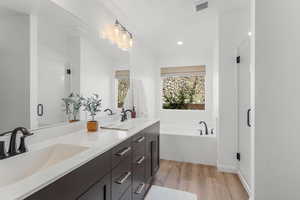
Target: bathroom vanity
pixel 124 172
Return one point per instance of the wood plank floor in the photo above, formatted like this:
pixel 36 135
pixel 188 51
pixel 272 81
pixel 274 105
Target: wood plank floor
pixel 205 181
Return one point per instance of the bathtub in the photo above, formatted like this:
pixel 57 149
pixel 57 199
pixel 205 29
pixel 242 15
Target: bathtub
pixel 184 143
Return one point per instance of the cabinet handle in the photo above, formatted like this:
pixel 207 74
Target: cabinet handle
pixel 104 192
pixel 140 139
pixel 124 151
pixel 140 189
pixel 141 160
pixel 124 178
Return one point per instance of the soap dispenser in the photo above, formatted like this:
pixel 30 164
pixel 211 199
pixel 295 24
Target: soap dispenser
pixel 133 114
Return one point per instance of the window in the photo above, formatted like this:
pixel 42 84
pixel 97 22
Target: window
pixel 123 84
pixel 183 88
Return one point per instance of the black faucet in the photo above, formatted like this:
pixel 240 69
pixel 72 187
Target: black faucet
pixel 109 110
pixel 12 150
pixel 124 114
pixel 205 125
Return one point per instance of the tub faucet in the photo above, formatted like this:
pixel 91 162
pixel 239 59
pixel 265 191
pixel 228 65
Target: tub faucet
pixel 109 110
pixel 205 125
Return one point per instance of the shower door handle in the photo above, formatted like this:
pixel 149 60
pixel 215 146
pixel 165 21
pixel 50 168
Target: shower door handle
pixel 40 110
pixel 248 117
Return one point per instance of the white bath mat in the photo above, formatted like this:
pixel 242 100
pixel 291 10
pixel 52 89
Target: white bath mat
pixel 162 193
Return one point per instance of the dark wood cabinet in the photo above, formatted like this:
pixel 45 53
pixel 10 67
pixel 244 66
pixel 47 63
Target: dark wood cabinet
pixel 152 152
pixel 155 159
pixel 77 182
pixel 99 191
pixel 139 182
pixel 121 178
pixel 125 172
pixel 127 195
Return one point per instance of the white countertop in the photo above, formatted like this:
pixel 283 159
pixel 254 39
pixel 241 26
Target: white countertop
pixel 97 143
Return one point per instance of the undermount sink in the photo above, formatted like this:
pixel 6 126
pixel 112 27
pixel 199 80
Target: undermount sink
pixel 126 125
pixel 17 168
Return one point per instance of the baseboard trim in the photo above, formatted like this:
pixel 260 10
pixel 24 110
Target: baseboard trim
pixel 200 162
pixel 227 169
pixel 245 184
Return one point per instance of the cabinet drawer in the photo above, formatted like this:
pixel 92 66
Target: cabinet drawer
pixel 100 191
pixel 121 178
pixel 138 141
pixel 139 186
pixel 138 161
pixel 138 155
pixel 120 152
pixel 127 195
pixel 74 184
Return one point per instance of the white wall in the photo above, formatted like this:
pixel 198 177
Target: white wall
pixel 234 26
pixel 143 66
pixel 198 49
pixel 14 71
pixel 91 12
pixel 277 100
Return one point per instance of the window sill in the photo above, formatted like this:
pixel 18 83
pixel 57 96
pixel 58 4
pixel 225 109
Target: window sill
pixel 179 110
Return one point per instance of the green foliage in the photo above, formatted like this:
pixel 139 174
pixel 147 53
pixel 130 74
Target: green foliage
pixel 179 92
pixel 92 105
pixel 73 104
pixel 123 87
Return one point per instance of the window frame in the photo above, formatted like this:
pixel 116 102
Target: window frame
pixel 181 110
pixel 117 92
pixel 116 85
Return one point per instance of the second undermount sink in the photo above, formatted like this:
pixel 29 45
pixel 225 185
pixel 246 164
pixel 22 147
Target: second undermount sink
pixel 126 125
pixel 17 168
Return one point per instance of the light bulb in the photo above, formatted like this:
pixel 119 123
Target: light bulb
pixel 103 35
pixel 111 34
pixel 131 43
pixel 118 35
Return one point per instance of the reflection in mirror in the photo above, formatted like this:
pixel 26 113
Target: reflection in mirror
pixel 14 70
pixel 74 60
pixel 99 60
pixel 57 68
pixel 122 78
pixel 49 60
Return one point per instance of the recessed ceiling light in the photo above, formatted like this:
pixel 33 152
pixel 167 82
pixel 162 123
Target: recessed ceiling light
pixel 250 33
pixel 180 43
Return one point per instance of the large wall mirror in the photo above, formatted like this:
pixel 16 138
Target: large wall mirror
pixel 48 55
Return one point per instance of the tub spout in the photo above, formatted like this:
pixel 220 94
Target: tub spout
pixel 205 125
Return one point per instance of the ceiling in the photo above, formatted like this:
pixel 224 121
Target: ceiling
pixel 160 24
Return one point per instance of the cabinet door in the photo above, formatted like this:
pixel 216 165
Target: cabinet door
pixel 152 151
pixel 148 160
pixel 77 182
pixel 100 191
pixel 127 195
pixel 155 156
